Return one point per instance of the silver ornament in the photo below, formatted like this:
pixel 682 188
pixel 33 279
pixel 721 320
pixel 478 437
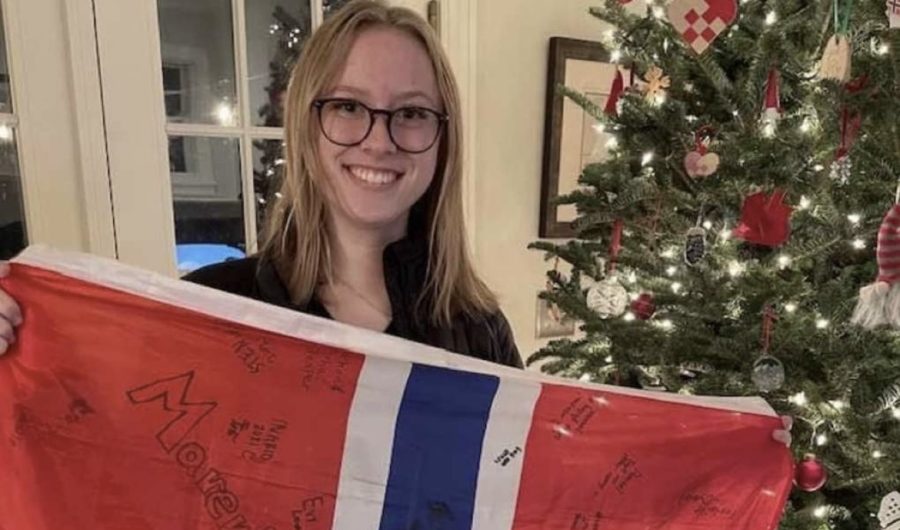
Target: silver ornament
pixel 768 374
pixel 841 170
pixel 695 246
pixel 889 514
pixel 608 298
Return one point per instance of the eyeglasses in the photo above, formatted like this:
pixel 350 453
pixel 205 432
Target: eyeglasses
pixel 348 122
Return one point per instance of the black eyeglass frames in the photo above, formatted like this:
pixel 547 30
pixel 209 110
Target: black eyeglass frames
pixel 348 122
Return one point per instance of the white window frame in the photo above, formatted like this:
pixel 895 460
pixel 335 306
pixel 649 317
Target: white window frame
pixel 55 40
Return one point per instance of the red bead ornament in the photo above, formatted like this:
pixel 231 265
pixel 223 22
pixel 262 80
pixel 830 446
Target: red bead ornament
pixel 643 307
pixel 810 474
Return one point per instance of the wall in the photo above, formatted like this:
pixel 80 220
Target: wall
pixel 513 43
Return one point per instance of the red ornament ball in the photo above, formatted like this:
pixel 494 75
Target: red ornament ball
pixel 643 307
pixel 810 474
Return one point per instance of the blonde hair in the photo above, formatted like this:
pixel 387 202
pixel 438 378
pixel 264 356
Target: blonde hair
pixel 296 239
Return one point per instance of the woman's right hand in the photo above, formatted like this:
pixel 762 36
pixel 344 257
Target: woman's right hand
pixel 10 314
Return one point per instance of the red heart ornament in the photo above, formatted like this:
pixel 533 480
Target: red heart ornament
pixel 700 22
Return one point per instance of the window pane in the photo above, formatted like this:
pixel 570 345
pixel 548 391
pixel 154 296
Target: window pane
pixel 12 212
pixel 198 61
pixel 276 30
pixel 268 166
pixel 5 96
pixel 330 6
pixel 206 189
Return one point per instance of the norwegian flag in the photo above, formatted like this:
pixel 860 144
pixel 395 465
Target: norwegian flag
pixel 700 22
pixel 141 402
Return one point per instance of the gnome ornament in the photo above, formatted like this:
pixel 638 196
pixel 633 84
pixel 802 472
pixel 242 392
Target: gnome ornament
pixel 615 93
pixel 879 303
pixel 772 109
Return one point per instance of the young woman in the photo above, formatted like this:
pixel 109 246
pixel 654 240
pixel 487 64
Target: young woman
pixel 369 228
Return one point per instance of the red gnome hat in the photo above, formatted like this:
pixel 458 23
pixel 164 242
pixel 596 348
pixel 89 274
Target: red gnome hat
pixel 879 303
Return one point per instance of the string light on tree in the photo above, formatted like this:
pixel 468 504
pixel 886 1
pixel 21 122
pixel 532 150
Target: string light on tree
pixel 647 158
pixel 771 18
pixel 820 512
pixel 822 323
pixel 821 440
pixel 806 126
pixel 896 413
pixel 784 261
pixel 615 56
pixel 671 271
pixel 790 307
pixel 854 219
pixel 666 325
pixel 876 454
pixel 799 399
pixel 837 405
pixel 805 203
pixel 859 244
pixel 735 268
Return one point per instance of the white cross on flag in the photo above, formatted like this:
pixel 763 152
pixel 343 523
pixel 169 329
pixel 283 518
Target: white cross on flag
pixel 700 22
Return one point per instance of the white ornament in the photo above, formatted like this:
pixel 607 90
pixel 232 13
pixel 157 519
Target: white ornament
pixel 889 514
pixel 698 164
pixel 893 13
pixel 608 298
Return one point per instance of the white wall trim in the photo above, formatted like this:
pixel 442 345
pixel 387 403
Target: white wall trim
pixel 459 29
pixel 85 72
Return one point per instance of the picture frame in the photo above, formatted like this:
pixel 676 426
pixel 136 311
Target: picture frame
pixel 572 138
pixel 551 321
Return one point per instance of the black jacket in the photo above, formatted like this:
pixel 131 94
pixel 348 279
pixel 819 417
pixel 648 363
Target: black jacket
pixel 487 336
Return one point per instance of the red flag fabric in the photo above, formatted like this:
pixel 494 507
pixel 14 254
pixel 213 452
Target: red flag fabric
pixel 133 401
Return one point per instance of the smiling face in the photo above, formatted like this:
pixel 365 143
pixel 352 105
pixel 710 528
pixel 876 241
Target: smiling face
pixel 374 185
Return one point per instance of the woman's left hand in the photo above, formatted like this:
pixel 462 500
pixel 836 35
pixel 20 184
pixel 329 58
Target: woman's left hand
pixel 784 435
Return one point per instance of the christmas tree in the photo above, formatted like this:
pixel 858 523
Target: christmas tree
pixel 291 33
pixel 723 242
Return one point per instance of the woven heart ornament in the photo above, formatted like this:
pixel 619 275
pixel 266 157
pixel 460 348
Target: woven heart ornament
pixel 700 22
pixel 893 13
